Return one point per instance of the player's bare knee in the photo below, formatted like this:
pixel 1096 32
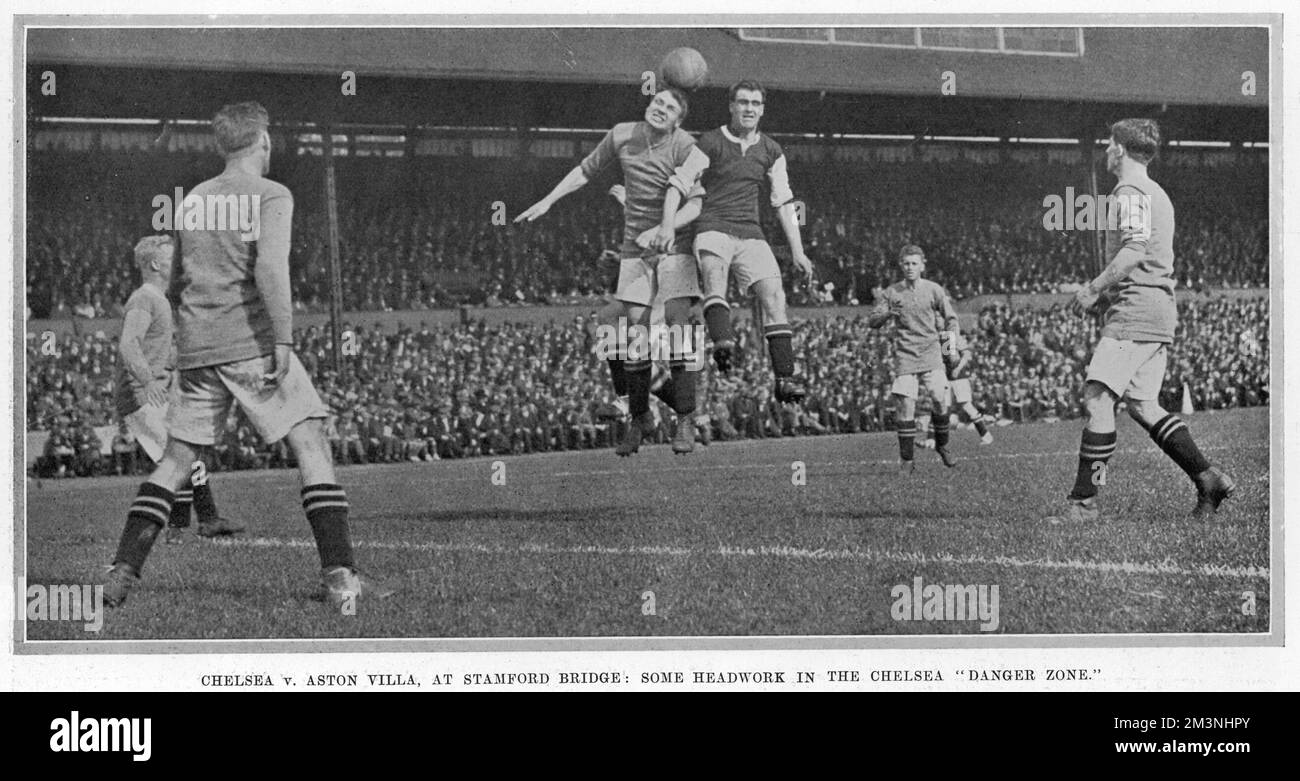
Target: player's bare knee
pixel 307 438
pixel 677 311
pixel 638 314
pixel 173 471
pixel 771 297
pixel 1146 412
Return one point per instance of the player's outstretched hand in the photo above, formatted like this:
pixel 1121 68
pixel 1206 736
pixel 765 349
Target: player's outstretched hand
pixel 1083 300
pixel 534 211
pixel 620 194
pixel 281 368
pixel 804 265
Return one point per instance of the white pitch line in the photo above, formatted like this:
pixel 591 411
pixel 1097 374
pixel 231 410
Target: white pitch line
pixel 441 475
pixel 786 552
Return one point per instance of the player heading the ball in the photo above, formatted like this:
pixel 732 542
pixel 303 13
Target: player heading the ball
pixel 661 168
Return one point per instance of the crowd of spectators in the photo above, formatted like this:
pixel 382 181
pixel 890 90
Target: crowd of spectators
pixel 426 393
pixel 437 232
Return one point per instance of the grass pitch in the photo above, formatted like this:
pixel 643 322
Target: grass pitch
pixel 720 542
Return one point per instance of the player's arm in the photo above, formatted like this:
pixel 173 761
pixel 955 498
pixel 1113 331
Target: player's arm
pixel 130 349
pixel 882 312
pixel 605 153
pixel 1135 231
pixel 572 182
pixel 685 216
pixel 947 313
pixel 787 213
pixel 690 210
pixel 680 185
pixel 271 276
pixel 966 357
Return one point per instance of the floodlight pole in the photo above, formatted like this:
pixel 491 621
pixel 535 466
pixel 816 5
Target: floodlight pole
pixel 336 273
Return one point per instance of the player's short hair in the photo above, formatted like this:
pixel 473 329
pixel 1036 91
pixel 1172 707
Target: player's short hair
pixel 1139 137
pixel 154 247
pixel 239 125
pixel 752 86
pixel 910 249
pixel 682 99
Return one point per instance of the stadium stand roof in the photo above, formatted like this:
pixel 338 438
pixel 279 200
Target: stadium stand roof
pixel 591 77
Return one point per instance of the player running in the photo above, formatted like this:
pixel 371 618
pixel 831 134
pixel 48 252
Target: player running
pixel 912 305
pixel 235 346
pixel 957 359
pixel 729 237
pixel 144 378
pixel 1138 326
pixel 661 166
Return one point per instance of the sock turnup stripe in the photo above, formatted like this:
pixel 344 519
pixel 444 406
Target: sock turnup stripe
pixel 1162 428
pixel 1169 431
pixel 162 517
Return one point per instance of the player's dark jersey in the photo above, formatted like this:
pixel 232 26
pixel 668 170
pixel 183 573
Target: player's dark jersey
pixel 734 180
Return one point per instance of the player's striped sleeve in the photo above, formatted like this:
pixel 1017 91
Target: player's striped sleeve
pixel 780 180
pixel 687 175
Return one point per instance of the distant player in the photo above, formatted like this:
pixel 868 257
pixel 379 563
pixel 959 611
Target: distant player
pixel 144 378
pixel 235 346
pixel 661 166
pixel 1138 326
pixel 915 306
pixel 957 359
pixel 729 237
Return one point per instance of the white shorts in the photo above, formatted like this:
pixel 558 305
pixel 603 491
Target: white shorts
pixel 667 276
pixel 960 390
pixel 201 400
pixel 907 385
pixel 149 427
pixel 751 260
pixel 1128 368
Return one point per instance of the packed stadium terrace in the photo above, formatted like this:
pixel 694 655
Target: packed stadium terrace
pixel 419 233
pixel 450 392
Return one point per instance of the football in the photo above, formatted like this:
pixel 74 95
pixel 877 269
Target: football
pixel 684 68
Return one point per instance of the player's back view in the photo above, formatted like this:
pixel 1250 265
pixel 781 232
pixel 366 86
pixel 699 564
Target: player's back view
pixel 1129 360
pixel 235 346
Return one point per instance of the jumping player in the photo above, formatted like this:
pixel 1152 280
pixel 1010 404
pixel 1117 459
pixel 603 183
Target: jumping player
pixel 661 166
pixel 235 346
pixel 144 376
pixel 729 237
pixel 1138 326
pixel 661 384
pixel 914 305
